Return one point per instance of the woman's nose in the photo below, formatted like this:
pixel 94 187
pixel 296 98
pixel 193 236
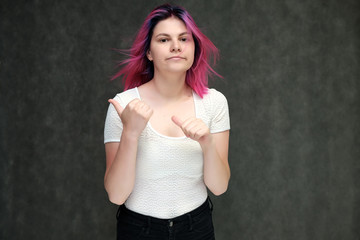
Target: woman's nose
pixel 176 47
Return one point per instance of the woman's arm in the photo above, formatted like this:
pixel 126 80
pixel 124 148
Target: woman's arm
pixel 216 165
pixel 121 157
pixel 120 169
pixel 215 149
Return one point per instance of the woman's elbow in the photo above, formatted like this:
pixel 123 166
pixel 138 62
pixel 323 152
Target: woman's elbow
pixel 116 199
pixel 115 196
pixel 217 187
pixel 218 191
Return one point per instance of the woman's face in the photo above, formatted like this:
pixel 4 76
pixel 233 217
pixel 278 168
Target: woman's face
pixel 172 47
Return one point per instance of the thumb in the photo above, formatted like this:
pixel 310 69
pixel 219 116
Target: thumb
pixel 117 106
pixel 176 120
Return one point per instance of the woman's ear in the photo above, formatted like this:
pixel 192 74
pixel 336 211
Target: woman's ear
pixel 148 54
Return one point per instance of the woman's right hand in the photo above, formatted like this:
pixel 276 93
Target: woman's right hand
pixel 134 116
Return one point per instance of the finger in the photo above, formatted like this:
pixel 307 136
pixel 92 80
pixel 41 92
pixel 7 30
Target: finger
pixel 188 123
pixel 191 130
pixel 195 129
pixel 199 134
pixel 134 102
pixel 142 106
pixel 149 113
pixel 177 121
pixel 143 109
pixel 117 106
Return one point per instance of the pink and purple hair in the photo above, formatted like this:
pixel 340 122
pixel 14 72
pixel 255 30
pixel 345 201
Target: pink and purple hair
pixel 137 69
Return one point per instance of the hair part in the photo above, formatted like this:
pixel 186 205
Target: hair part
pixel 137 69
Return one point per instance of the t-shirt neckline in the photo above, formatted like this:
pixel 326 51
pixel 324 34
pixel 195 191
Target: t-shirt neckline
pixel 160 134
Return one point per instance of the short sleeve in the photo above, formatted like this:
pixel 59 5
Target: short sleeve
pixel 220 119
pixel 113 125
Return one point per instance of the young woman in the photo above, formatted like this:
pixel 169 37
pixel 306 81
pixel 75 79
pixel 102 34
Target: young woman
pixel 167 134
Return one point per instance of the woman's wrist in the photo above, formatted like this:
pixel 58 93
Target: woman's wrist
pixel 129 135
pixel 207 142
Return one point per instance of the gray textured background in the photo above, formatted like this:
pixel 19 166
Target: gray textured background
pixel 291 73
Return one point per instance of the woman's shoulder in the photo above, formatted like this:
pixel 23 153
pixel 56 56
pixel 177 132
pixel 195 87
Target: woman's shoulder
pixel 215 110
pixel 213 100
pixel 127 93
pixel 214 95
pixel 127 96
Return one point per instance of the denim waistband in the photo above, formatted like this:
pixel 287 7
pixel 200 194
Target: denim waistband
pixel 207 205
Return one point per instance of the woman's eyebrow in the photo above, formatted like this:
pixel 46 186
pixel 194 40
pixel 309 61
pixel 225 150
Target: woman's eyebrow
pixel 168 35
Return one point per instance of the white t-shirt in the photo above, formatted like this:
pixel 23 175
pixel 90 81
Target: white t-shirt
pixel 169 170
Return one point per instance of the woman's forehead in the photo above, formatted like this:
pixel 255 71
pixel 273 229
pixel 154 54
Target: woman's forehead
pixel 170 26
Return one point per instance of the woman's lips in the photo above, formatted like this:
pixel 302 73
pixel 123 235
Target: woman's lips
pixel 175 58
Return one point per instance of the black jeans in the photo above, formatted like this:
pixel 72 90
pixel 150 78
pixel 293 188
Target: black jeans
pixel 195 225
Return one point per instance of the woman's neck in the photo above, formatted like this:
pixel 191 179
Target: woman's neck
pixel 170 86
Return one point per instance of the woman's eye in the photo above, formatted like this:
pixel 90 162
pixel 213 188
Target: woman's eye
pixel 184 39
pixel 163 40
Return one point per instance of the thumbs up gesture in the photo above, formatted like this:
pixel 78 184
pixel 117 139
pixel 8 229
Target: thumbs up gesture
pixel 194 128
pixel 134 116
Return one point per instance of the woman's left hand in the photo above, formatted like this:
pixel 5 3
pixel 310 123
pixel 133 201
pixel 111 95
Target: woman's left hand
pixel 215 151
pixel 194 128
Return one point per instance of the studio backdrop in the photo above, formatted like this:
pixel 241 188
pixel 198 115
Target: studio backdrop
pixel 291 76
